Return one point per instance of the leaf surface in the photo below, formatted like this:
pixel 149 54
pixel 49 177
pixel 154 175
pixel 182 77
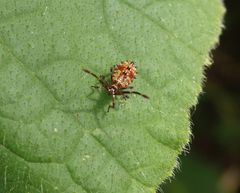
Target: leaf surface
pixel 55 134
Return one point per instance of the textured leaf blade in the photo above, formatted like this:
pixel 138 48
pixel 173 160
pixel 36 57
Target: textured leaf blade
pixel 55 135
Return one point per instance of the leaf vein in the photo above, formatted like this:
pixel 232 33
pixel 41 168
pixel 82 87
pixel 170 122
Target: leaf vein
pixel 161 26
pixel 119 163
pixel 86 189
pixel 28 70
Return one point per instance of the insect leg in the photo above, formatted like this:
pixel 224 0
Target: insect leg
pixel 125 97
pixel 96 87
pixel 102 77
pixel 111 69
pixel 135 92
pixel 93 89
pixel 113 103
pixel 130 87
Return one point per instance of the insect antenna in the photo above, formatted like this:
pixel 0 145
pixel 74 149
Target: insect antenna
pixel 97 77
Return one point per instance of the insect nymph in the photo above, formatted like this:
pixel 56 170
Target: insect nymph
pixel 122 75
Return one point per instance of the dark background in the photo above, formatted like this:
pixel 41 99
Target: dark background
pixel 213 164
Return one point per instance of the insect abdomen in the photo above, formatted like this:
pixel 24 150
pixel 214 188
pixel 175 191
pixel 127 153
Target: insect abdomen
pixel 123 74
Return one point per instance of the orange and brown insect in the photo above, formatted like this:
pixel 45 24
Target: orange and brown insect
pixel 122 75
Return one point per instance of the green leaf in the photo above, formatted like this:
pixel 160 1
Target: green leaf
pixel 55 134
